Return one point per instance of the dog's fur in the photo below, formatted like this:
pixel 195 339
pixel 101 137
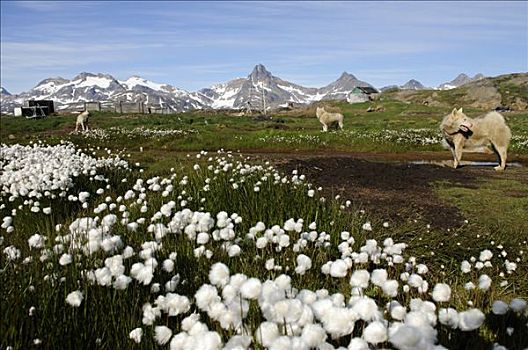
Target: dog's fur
pixel 327 118
pixel 464 134
pixel 82 120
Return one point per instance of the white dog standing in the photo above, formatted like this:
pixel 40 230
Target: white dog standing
pixel 464 134
pixel 82 120
pixel 327 118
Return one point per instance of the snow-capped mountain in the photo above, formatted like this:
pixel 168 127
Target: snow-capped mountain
pixel 4 91
pixel 105 88
pixel 339 89
pixel 260 85
pixel 460 80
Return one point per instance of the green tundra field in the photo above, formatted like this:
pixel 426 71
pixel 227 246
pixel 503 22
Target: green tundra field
pixel 384 176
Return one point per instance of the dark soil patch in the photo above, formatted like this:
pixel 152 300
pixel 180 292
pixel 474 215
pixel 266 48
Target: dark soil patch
pixel 392 191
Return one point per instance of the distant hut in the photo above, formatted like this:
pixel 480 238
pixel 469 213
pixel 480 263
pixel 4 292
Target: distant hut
pixel 361 94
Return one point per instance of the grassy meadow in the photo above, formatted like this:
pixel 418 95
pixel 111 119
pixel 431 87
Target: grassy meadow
pixel 163 231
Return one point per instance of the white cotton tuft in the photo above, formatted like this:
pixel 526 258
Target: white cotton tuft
pixel 398 312
pixel 367 226
pixel 406 337
pixel 360 279
pixel 339 268
pixel 36 241
pixel 441 292
pixel 162 334
pixel 234 250
pixel 378 277
pixel 304 263
pixel 485 255
pixel 484 282
pixel 266 333
pixel 103 276
pixel 238 342
pixel 313 335
pixel 375 333
pixel 470 320
pixel 251 288
pixel 448 317
pixel 390 288
pixel 366 308
pixel 65 259
pixel 121 282
pixel 168 265
pixel 75 298
pixel 136 335
pixel 358 344
pixel 219 275
pixel 205 296
pixel 415 280
pixel 499 307
pixel 518 305
pixel 465 266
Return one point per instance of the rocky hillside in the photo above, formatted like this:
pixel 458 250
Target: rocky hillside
pixel 508 91
pixel 460 80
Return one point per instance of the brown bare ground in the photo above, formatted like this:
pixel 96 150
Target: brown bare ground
pixel 390 186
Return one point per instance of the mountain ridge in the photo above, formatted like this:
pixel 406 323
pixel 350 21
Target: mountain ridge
pixel 260 87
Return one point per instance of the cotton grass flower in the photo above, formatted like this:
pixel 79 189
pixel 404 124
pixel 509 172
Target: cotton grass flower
pixel 360 279
pixel 338 268
pixel 266 333
pixel 448 317
pixel 470 320
pixel 65 259
pixel 484 282
pixel 375 333
pixel 251 288
pixel 121 282
pixel 162 334
pixel 219 274
pixel 136 335
pixel 75 298
pixel 378 277
pixel 499 307
pixel 518 305
pixel 465 266
pixel 36 241
pixel 441 293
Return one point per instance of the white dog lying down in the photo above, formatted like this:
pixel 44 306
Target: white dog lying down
pixel 327 118
pixel 464 134
pixel 82 120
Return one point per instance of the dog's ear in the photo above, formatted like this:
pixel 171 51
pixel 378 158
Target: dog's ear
pixel 454 111
pixel 460 110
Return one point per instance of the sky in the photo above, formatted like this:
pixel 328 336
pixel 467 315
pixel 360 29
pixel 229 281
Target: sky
pixel 192 45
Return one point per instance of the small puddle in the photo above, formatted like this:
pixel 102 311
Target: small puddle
pixel 449 163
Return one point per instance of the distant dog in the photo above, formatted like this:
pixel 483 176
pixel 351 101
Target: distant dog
pixel 464 134
pixel 82 120
pixel 327 118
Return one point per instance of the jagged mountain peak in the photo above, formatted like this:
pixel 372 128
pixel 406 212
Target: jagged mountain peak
pixel 4 91
pixel 347 76
pixel 412 84
pixel 260 73
pixel 86 75
pixel 460 80
pixel 55 80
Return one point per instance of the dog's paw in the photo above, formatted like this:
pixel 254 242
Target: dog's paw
pixel 498 168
